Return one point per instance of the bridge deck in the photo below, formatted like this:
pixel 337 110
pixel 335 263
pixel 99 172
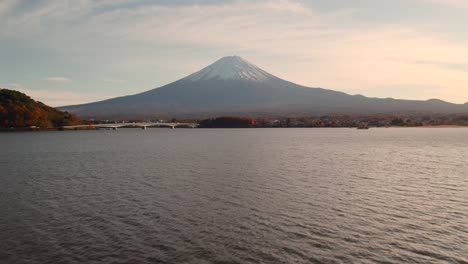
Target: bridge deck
pixel 142 125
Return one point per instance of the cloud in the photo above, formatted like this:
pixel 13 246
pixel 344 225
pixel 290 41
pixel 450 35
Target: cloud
pixel 54 97
pixel 58 79
pixel 453 3
pixel 7 5
pixel 112 80
pixel 331 49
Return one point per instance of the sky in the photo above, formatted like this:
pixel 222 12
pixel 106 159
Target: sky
pixel 65 52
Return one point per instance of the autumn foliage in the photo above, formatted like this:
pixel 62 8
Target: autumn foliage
pixel 229 122
pixel 19 110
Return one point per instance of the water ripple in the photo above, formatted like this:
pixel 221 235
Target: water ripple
pixel 234 196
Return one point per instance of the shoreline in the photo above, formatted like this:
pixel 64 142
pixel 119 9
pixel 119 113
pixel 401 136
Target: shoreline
pixel 6 130
pixel 441 126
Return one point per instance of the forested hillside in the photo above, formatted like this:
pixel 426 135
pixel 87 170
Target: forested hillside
pixel 19 110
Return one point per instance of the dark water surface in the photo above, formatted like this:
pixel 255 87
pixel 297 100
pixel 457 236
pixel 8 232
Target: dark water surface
pixel 235 196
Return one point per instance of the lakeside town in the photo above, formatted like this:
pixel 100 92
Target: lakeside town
pixel 315 121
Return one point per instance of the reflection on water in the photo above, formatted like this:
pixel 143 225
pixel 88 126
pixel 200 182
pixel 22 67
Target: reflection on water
pixel 234 196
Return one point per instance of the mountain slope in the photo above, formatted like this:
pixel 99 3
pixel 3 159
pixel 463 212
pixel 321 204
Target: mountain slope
pixel 232 85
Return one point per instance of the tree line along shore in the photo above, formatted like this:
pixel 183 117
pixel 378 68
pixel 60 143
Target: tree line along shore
pixel 20 112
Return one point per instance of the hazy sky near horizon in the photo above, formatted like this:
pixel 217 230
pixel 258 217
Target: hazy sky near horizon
pixel 75 51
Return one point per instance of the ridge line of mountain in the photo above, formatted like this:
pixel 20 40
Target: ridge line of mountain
pixel 232 85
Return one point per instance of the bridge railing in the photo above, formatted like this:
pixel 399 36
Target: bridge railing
pixel 119 125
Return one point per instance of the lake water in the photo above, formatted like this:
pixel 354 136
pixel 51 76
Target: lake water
pixel 234 196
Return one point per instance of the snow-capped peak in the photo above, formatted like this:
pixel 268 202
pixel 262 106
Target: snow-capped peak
pixel 231 68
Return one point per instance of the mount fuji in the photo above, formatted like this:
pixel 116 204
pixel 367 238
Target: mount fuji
pixel 234 86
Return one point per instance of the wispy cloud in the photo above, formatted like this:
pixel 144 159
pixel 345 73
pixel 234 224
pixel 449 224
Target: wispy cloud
pixel 112 80
pixel 150 43
pixel 7 5
pixel 454 3
pixel 58 79
pixel 54 97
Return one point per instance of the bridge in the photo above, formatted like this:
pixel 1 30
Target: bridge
pixel 115 126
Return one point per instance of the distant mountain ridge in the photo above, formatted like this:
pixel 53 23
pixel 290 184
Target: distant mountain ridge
pixel 233 85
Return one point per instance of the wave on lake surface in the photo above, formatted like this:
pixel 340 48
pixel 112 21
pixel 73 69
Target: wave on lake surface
pixel 235 196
